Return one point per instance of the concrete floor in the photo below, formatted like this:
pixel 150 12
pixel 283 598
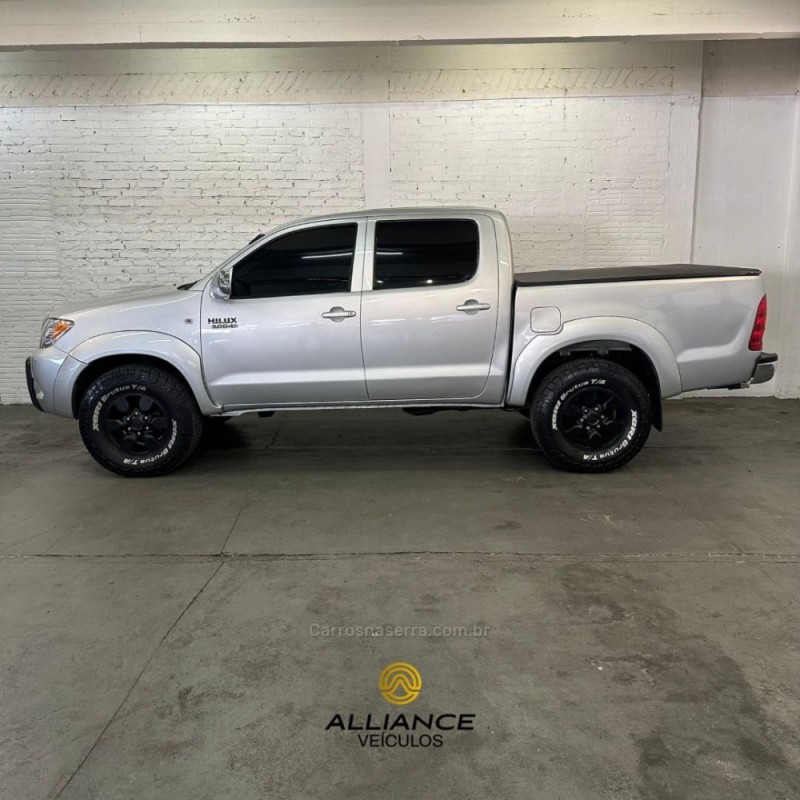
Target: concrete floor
pixel 642 641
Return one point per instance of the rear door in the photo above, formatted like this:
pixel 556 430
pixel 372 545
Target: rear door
pixel 429 307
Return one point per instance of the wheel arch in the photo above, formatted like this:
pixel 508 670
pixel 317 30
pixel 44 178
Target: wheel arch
pixel 635 345
pixel 167 352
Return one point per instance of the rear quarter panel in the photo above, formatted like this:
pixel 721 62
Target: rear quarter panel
pixel 705 324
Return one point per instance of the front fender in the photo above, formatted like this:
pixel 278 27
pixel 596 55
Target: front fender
pixel 174 351
pixel 620 329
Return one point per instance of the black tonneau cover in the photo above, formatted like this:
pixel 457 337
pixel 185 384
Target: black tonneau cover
pixel 661 272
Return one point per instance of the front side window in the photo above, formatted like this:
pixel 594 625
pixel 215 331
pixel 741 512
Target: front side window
pixel 310 261
pixel 424 252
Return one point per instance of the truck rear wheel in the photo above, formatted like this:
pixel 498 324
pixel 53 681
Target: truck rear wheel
pixel 591 415
pixel 139 421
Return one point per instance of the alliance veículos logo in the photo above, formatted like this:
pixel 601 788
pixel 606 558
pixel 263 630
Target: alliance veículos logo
pixel 400 684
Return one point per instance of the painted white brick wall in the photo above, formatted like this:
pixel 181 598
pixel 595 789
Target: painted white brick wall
pixel 583 181
pixel 146 185
pixel 31 274
pixel 145 193
pixel 748 183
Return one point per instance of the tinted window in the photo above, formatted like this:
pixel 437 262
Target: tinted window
pixel 311 261
pixel 425 252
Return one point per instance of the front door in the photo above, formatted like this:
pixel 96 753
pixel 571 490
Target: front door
pixel 429 309
pixel 289 334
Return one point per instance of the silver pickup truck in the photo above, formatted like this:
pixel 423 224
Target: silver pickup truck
pixel 412 308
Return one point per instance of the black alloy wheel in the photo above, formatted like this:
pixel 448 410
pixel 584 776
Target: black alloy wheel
pixel 139 420
pixel 591 415
pixel 136 423
pixel 593 418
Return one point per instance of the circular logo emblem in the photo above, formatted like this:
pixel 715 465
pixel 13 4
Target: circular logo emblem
pixel 400 683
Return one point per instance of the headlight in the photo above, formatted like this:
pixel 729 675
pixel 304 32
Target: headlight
pixel 53 329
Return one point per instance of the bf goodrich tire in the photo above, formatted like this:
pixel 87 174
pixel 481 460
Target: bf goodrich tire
pixel 591 415
pixel 139 421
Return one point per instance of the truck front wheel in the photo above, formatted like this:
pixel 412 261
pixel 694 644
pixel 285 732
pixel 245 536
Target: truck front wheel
pixel 590 415
pixel 139 420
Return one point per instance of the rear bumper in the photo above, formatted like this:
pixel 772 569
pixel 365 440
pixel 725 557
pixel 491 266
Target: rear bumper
pixel 765 368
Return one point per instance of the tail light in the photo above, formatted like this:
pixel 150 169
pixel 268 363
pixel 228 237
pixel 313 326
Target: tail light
pixel 759 326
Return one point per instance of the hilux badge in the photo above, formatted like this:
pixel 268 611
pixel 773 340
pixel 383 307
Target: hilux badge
pixel 223 322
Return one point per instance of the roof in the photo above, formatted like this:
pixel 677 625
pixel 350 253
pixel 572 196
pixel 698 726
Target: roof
pixel 434 211
pixel 426 211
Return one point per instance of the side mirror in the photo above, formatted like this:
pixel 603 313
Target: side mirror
pixel 221 284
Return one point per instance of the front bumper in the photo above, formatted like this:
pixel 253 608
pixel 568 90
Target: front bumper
pixel 46 380
pixel 34 390
pixel 765 368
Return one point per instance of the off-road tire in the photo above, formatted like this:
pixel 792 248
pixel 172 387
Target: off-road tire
pixel 168 418
pixel 563 416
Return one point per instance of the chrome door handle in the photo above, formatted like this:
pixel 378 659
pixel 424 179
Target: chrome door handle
pixel 473 307
pixel 337 314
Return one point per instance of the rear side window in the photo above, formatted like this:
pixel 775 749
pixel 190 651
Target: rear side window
pixel 424 252
pixel 311 261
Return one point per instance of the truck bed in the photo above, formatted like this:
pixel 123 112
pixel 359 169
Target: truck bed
pixel 700 316
pixel 647 272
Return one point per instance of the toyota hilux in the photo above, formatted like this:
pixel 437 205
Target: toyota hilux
pixel 420 309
